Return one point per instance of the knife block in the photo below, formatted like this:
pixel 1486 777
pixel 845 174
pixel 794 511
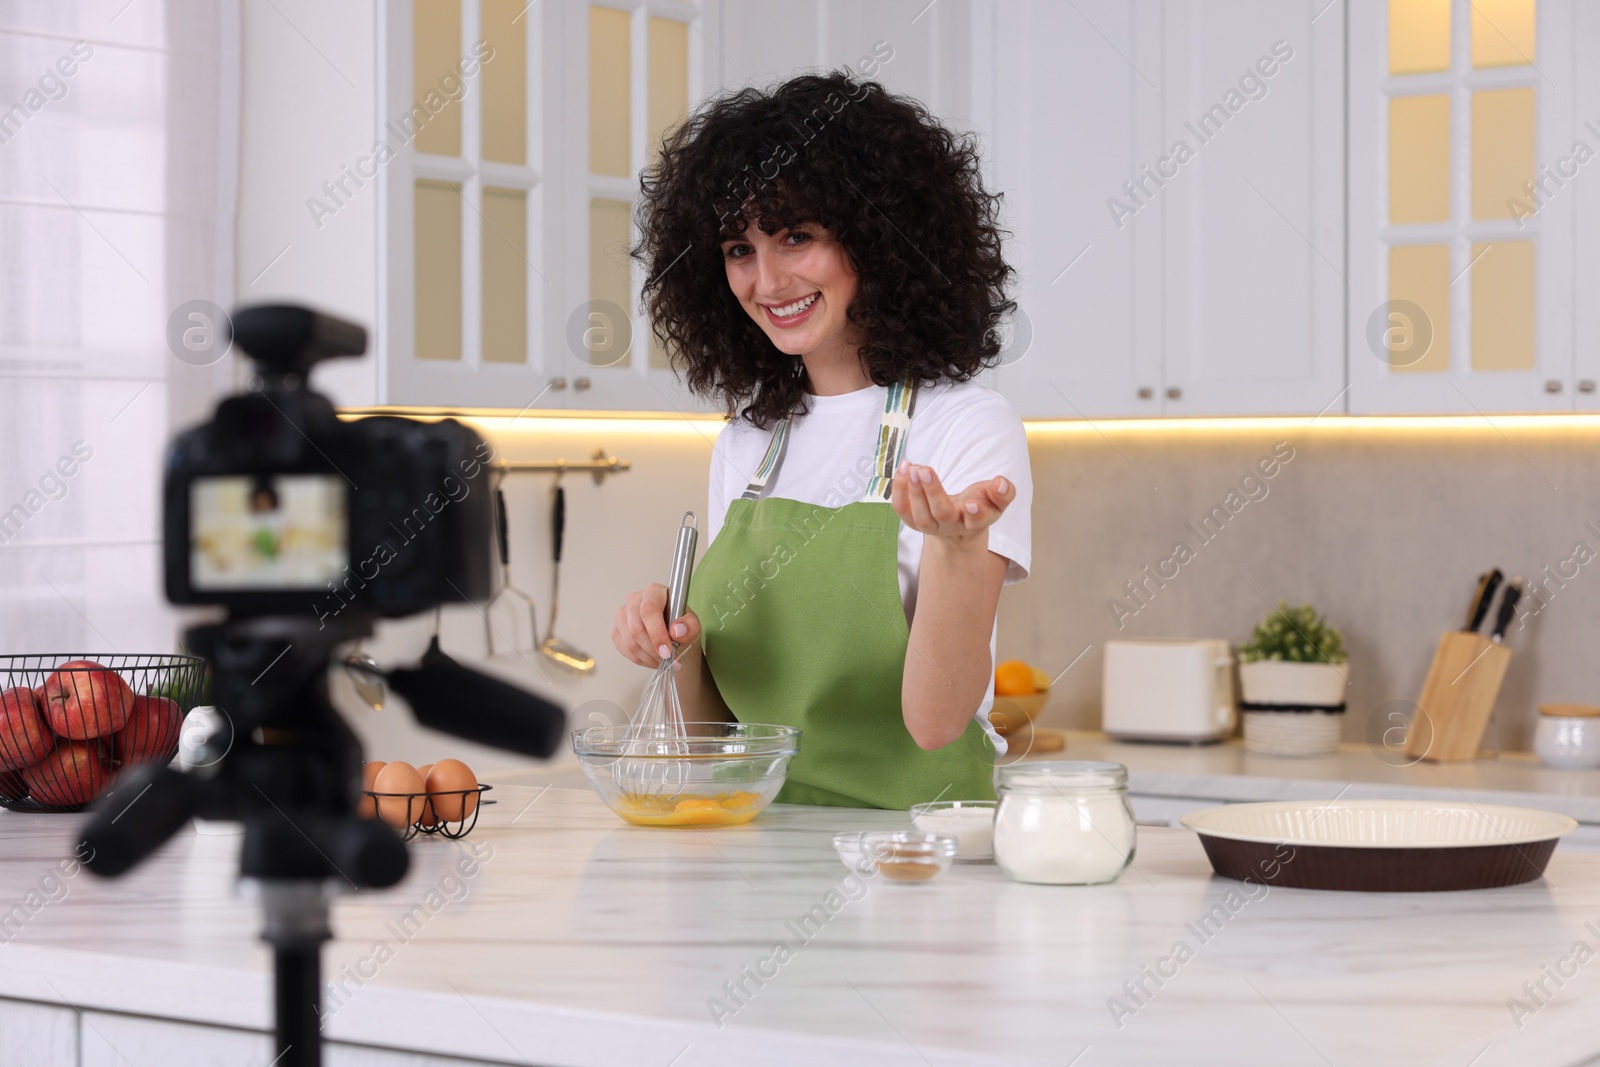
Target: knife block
pixel 1457 697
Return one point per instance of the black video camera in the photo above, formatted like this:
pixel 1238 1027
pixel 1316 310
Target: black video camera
pixel 277 506
pixel 273 507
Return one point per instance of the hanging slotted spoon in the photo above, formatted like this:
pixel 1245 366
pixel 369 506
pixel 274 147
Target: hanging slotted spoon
pixel 566 654
pixel 503 539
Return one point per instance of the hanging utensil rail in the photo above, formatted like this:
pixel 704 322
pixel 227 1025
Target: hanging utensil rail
pixel 599 465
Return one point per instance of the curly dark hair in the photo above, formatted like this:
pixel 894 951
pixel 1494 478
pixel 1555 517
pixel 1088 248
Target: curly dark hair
pixel 903 195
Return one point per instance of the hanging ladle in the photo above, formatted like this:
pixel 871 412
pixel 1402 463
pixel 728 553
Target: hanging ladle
pixel 567 655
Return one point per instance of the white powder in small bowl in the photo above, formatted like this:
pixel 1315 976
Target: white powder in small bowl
pixel 972 827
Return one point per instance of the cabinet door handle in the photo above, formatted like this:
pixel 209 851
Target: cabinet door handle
pixel 1586 385
pixel 1145 392
pixel 1552 386
pixel 558 384
pixel 581 384
pixel 1174 393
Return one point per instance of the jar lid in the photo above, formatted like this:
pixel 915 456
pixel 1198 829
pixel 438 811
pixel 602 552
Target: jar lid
pixel 1065 776
pixel 1569 711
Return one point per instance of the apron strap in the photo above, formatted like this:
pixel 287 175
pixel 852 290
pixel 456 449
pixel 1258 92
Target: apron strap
pixel 893 430
pixel 769 462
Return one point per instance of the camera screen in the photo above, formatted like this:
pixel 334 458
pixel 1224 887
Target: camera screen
pixel 271 532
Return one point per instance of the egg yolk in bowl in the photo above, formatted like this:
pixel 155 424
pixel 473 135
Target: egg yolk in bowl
pixel 723 809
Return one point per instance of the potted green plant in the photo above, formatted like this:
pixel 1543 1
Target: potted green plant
pixel 1292 677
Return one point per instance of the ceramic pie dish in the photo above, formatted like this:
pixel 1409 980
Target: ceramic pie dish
pixel 1379 846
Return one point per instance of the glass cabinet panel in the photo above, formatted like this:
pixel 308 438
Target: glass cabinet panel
pixel 1503 32
pixel 438 270
pixel 610 91
pixel 505 275
pixel 1502 306
pixel 1419 275
pixel 1419 159
pixel 1419 36
pixel 505 83
pixel 436 59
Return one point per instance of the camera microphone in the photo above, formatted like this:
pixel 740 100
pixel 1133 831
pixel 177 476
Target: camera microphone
pixel 451 698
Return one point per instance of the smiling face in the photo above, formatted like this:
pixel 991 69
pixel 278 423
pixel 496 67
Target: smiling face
pixel 797 284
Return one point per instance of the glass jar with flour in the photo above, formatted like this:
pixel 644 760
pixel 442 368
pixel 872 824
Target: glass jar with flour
pixel 1064 823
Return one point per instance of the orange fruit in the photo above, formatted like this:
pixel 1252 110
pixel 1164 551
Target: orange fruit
pixel 1013 678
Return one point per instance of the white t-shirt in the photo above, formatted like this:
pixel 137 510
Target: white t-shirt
pixel 964 432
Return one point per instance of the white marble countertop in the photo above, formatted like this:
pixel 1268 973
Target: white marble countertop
pixel 577 940
pixel 1226 772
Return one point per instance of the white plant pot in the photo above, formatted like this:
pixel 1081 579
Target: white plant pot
pixel 1292 733
pixel 1303 685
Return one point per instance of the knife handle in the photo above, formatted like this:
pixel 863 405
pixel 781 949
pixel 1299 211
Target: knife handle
pixel 1508 609
pixel 1488 583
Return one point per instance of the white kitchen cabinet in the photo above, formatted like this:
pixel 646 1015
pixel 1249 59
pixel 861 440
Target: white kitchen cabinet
pixel 1074 112
pixel 1174 186
pixel 118 1040
pixel 37 1035
pixel 1586 210
pixel 1447 259
pixel 1252 256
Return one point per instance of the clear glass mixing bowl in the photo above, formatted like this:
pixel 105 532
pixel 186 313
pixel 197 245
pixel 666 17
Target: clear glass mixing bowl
pixel 714 774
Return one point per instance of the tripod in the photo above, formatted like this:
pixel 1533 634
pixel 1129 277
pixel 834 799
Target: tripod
pixel 277 757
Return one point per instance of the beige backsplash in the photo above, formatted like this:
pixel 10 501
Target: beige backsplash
pixel 1384 530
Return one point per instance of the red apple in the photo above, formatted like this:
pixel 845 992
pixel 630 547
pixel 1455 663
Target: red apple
pixel 71 775
pixel 24 737
pixel 12 787
pixel 151 735
pixel 84 699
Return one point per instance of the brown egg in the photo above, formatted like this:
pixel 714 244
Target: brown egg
pixel 428 818
pixel 398 777
pixel 367 807
pixel 449 783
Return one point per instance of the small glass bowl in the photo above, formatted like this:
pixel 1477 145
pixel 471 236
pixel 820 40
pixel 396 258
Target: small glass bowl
pixel 971 822
pixel 907 857
pixel 851 854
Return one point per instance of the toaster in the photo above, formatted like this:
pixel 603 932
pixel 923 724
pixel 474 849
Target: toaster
pixel 1168 690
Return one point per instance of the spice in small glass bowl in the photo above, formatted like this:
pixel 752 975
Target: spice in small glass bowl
pixel 909 857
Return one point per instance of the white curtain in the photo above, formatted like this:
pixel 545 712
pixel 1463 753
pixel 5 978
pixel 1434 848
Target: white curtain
pixel 118 161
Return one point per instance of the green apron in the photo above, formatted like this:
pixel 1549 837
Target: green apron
pixel 803 625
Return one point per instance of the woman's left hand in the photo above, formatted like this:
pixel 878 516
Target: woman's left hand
pixel 922 503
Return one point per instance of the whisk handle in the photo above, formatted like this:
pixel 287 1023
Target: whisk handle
pixel 682 566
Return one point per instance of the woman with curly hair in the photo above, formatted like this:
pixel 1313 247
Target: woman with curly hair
pixel 824 260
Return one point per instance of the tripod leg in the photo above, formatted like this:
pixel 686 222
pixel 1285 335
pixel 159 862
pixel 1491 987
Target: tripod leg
pixel 297 991
pixel 296 925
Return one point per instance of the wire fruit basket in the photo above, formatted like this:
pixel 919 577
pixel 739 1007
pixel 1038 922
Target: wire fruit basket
pixel 425 813
pixel 70 724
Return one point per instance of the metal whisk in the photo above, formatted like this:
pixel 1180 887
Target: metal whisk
pixel 656 732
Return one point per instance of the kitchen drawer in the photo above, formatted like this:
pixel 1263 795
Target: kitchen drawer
pixel 37 1035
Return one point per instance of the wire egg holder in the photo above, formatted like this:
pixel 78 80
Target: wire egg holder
pixel 180 678
pixel 426 821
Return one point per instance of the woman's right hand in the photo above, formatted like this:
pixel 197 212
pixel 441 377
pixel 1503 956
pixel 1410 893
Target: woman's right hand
pixel 641 632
